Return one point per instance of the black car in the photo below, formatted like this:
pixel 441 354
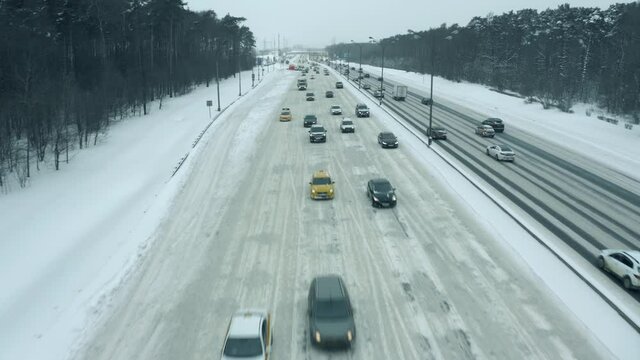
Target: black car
pixel 381 193
pixel 317 133
pixel 328 94
pixel 339 85
pixel 330 314
pixel 378 94
pixel 310 120
pixel 310 96
pixel 495 123
pixel 426 101
pixel 362 110
pixel 366 75
pixel 387 139
pixel 437 133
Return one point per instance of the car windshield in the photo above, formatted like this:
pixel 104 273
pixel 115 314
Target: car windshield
pixel 310 117
pixel 361 106
pixel 505 148
pixel 243 347
pixel 331 309
pixel 286 113
pixel 347 122
pixel 388 136
pixel 321 181
pixel 335 107
pixel 382 187
pixel 317 129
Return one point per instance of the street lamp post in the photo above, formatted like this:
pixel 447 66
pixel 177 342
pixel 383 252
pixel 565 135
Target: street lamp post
pixel 360 66
pixel 382 66
pixel 431 89
pixel 217 72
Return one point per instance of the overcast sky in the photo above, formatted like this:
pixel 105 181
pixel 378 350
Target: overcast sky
pixel 323 22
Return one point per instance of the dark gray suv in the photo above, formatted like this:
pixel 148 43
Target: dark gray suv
pixel 330 314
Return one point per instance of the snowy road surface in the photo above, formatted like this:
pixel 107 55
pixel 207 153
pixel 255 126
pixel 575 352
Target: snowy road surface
pixel 426 281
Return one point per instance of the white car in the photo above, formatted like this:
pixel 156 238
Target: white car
pixel 501 152
pixel 249 336
pixel 347 126
pixel 625 264
pixel 336 110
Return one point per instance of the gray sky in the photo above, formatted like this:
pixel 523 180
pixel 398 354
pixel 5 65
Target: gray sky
pixel 323 22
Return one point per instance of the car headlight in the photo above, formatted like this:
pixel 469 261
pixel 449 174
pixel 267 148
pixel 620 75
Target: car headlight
pixel 313 191
pixel 375 199
pixel 331 191
pixel 317 336
pixel 349 335
pixel 384 143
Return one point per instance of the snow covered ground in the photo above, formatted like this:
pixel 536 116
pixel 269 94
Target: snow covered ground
pixel 613 145
pixel 73 235
pixel 63 258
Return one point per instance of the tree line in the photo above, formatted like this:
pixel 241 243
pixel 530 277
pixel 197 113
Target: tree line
pixel 70 67
pixel 557 57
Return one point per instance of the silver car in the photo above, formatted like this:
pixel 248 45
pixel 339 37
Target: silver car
pixel 501 152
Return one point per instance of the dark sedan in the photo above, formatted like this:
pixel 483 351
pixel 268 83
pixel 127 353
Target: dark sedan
pixel 310 120
pixel 495 123
pixel 330 314
pixel 381 193
pixel 437 133
pixel 387 140
pixel 426 101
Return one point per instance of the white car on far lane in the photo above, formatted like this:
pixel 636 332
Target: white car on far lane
pixel 624 264
pixel 336 110
pixel 249 336
pixel 501 152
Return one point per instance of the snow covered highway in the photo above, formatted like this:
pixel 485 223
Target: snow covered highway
pixel 427 279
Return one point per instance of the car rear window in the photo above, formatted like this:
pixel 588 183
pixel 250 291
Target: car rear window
pixel 243 347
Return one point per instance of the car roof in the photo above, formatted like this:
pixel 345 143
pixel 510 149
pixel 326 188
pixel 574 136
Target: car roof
pixel 634 254
pixel 246 323
pixel 329 287
pixel 387 133
pixel 321 174
pixel 380 181
pixel 486 126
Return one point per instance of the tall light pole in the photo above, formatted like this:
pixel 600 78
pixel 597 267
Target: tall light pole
pixel 382 65
pixel 217 73
pixel 360 66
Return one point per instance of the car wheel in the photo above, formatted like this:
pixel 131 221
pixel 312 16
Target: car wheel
pixel 488 152
pixel 601 263
pixel 626 282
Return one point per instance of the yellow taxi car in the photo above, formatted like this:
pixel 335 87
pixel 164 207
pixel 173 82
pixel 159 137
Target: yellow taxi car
pixel 321 185
pixel 285 114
